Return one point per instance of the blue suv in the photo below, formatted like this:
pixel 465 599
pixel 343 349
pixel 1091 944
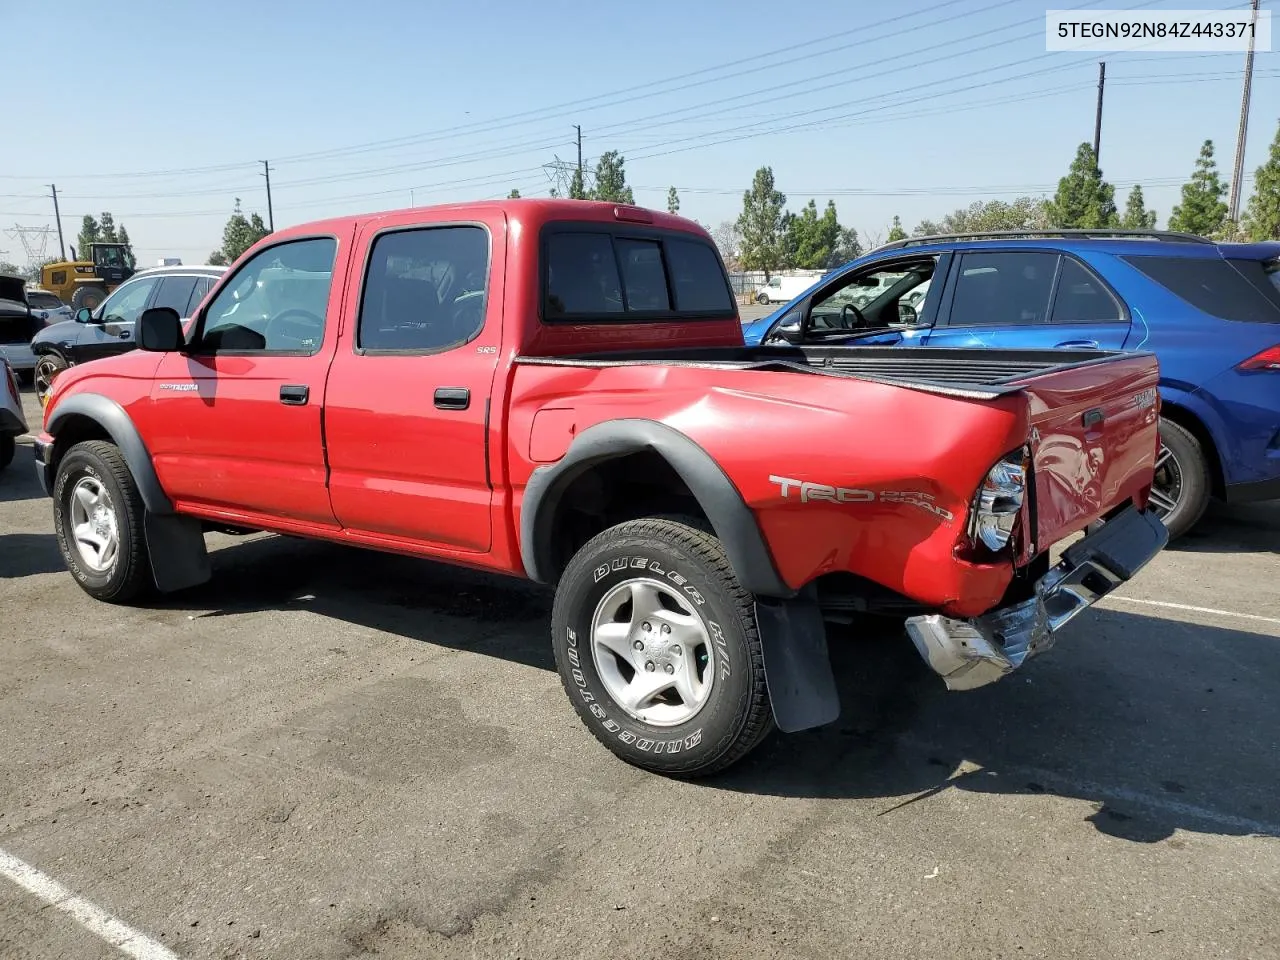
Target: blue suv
pixel 1210 312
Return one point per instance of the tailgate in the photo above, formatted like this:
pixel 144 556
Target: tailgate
pixel 1094 437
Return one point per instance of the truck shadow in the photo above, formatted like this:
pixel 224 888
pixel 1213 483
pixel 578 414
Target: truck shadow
pixel 1234 528
pixel 28 554
pixel 417 599
pixel 1159 724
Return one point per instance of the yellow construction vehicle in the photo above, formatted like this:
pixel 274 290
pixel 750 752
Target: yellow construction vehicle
pixel 86 283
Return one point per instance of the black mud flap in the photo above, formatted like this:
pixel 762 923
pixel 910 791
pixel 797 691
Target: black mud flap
pixel 797 666
pixel 179 557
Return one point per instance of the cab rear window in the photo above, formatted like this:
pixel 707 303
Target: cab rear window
pixel 1230 289
pixel 613 276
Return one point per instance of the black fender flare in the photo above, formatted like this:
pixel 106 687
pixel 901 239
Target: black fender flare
pixel 731 518
pixel 797 665
pixel 111 417
pixel 179 556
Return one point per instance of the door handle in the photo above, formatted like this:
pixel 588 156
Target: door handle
pixel 452 398
pixel 1081 344
pixel 295 394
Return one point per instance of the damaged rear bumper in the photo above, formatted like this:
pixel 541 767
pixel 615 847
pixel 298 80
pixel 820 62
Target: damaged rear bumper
pixel 973 653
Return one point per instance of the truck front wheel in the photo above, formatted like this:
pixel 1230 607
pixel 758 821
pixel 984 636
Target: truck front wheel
pixel 97 517
pixel 657 645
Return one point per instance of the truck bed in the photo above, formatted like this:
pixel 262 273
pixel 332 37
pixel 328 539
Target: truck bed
pixel 955 371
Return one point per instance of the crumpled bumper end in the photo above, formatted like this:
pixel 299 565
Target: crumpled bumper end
pixel 972 653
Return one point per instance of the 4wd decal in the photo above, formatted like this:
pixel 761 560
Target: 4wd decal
pixel 808 492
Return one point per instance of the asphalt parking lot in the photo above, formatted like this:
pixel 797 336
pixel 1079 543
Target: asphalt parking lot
pixel 325 753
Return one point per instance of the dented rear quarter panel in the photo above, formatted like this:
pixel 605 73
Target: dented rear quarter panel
pixel 892 470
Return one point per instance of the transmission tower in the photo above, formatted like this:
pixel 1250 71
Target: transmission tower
pixel 559 176
pixel 34 240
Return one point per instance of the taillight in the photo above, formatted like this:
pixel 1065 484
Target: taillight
pixel 998 502
pixel 1268 359
pixel 13 386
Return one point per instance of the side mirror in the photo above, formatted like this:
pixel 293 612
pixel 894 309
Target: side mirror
pixel 788 332
pixel 160 330
pixel 907 314
pixel 84 315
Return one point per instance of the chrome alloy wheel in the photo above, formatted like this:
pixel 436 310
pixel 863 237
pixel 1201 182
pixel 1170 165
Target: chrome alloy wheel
pixel 93 525
pixel 652 652
pixel 45 371
pixel 1166 488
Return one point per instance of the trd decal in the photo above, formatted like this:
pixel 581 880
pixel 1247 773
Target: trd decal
pixel 807 492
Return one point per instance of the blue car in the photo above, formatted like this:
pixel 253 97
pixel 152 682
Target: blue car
pixel 1209 311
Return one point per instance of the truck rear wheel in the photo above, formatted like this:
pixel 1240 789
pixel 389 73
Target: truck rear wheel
pixel 657 645
pixel 97 517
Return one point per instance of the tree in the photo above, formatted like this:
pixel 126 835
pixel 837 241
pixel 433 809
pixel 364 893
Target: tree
pixel 1201 211
pixel 238 235
pixel 984 216
pixel 513 195
pixel 107 226
pixel 1136 215
pixel 577 188
pixel 761 224
pixel 847 247
pixel 217 259
pixel 1262 216
pixel 896 232
pixel 611 179
pixel 11 269
pixel 810 240
pixel 90 232
pixel 673 201
pixel 1084 199
pixel 728 240
pixel 129 258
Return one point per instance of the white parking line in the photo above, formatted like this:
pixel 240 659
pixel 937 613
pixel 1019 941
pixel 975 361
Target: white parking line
pixel 1190 609
pixel 94 919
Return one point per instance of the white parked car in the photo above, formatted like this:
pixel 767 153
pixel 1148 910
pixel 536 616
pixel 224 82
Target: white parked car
pixel 47 306
pixel 12 422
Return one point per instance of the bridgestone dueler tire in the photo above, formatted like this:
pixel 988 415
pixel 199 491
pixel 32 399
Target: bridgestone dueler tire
pixel 736 717
pixel 130 575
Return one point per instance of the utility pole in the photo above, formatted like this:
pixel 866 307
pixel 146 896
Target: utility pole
pixel 1233 201
pixel 1097 123
pixel 62 249
pixel 578 127
pixel 271 219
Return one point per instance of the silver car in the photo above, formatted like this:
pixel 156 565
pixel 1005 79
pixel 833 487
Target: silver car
pixel 12 422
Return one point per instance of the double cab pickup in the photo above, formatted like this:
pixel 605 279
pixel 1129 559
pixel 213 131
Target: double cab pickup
pixel 560 390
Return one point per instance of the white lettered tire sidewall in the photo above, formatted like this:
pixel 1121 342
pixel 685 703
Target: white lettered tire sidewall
pixel 703 742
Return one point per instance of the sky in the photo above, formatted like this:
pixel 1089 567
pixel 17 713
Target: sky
pixel 911 109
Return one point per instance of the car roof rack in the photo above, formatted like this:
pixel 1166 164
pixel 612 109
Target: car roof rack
pixel 1169 236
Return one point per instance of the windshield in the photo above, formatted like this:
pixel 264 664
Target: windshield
pixel 1273 273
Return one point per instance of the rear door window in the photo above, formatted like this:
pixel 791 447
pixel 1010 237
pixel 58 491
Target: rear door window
pixel 1228 289
pixel 1003 289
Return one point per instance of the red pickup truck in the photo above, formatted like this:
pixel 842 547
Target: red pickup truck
pixel 559 390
